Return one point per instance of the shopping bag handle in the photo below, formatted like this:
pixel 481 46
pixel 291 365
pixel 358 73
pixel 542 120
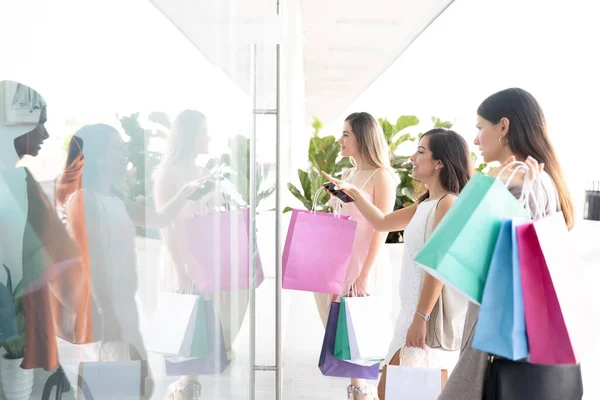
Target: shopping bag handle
pixel 336 208
pixel 401 357
pixel 527 183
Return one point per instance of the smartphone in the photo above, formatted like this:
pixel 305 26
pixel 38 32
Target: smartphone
pixel 340 194
pixel 201 191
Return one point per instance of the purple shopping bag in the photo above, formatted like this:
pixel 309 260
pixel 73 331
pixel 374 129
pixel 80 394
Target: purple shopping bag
pixel 331 366
pixel 317 251
pixel 215 362
pixel 219 247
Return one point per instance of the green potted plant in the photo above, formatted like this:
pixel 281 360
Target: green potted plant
pixel 17 383
pixel 137 185
pixel 237 171
pixel 323 155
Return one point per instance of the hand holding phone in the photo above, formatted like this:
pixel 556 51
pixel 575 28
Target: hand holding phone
pixel 340 194
pixel 202 191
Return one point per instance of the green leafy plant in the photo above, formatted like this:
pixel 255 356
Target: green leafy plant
pixel 323 155
pixel 137 185
pixel 396 135
pixel 238 162
pixel 15 345
pixel 408 188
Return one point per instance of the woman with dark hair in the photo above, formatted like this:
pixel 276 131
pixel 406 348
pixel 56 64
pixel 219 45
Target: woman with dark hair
pixel 443 164
pixel 103 225
pixel 512 127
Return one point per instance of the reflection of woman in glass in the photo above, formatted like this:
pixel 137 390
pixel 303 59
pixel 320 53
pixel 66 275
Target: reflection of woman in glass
pixel 107 236
pixel 188 139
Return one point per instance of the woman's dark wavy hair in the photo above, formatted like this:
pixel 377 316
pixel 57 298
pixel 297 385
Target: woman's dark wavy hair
pixel 452 151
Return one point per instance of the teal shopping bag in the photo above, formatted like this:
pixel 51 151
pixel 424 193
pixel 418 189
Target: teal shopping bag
pixel 342 344
pixel 500 328
pixel 459 251
pixel 200 345
pixel 179 326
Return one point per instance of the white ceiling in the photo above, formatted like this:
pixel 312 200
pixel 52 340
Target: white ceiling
pixel 347 44
pixel 350 43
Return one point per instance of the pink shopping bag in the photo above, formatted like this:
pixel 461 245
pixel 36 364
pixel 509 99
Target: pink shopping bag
pixel 220 251
pixel 317 251
pixel 547 333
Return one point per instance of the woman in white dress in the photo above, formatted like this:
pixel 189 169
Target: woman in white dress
pixel 103 225
pixel 443 164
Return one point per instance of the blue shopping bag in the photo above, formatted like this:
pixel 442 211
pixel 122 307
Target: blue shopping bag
pixel 500 329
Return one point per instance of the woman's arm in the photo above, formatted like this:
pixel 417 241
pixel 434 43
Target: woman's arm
pixel 147 217
pixel 383 200
pixel 164 189
pixel 432 288
pixel 381 221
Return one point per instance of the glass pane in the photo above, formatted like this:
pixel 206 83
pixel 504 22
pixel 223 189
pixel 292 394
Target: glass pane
pixel 128 211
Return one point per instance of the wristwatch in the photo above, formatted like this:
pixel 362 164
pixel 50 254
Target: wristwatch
pixel 424 316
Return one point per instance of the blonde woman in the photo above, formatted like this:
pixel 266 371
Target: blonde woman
pixel 188 139
pixel 363 140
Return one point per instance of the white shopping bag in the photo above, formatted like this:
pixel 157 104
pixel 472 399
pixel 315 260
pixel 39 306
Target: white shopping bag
pixel 174 324
pixel 370 329
pixel 113 380
pixel 413 383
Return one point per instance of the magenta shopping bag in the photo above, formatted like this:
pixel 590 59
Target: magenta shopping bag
pixel 317 251
pixel 547 332
pixel 219 246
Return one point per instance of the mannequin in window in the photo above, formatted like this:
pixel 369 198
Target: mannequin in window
pixel 39 247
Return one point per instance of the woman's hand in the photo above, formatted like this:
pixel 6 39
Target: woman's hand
pixel 340 185
pixel 415 337
pixel 185 284
pixel 534 169
pixel 194 185
pixel 359 287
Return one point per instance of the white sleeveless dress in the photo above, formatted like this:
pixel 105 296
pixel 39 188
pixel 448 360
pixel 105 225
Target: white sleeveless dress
pixel 114 276
pixel 411 283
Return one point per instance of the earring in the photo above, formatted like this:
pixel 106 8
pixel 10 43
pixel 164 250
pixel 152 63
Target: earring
pixel 436 167
pixel 500 141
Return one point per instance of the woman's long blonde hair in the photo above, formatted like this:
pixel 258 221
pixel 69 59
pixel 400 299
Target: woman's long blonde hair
pixel 372 146
pixel 180 144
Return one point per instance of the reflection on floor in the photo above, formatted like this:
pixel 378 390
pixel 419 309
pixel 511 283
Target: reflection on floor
pixel 303 334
